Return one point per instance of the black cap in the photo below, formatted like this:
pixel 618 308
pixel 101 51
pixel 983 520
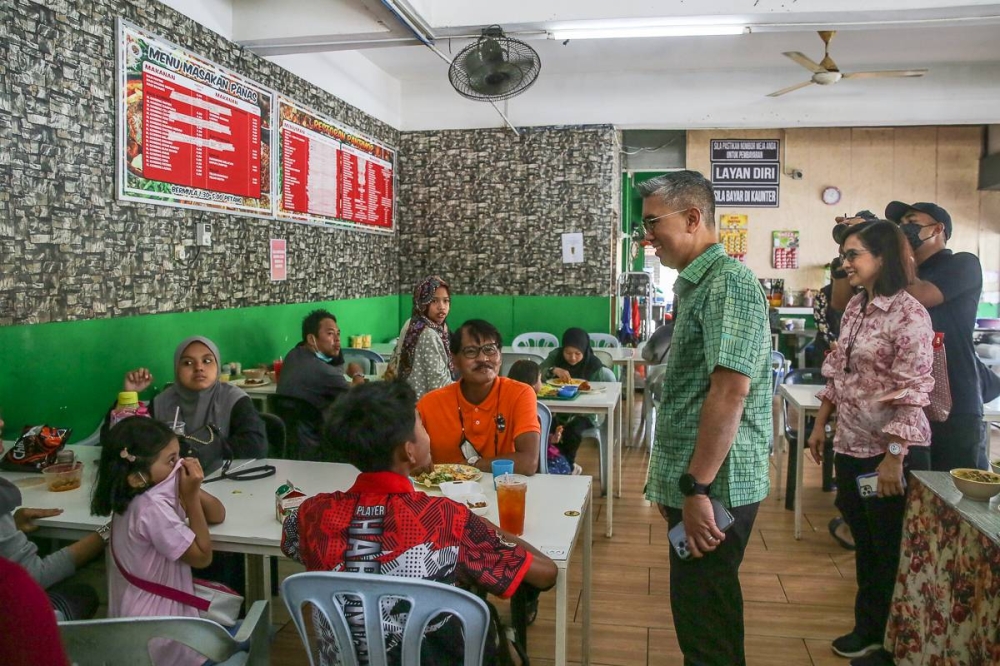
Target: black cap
pixel 897 209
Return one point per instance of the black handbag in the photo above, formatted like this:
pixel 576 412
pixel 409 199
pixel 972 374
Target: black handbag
pixel 207 445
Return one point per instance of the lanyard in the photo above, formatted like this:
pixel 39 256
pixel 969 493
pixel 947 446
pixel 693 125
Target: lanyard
pixel 498 420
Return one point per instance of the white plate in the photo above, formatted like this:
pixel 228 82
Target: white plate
pixel 241 383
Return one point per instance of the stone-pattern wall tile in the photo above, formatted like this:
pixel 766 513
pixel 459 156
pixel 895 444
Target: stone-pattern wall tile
pixel 69 250
pixel 486 209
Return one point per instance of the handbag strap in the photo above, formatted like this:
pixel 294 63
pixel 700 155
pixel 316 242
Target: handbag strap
pixel 165 591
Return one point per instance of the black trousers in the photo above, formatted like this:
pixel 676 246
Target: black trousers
pixel 705 595
pixel 877 527
pixel 572 436
pixel 956 442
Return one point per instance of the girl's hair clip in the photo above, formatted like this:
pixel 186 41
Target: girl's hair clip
pixel 126 455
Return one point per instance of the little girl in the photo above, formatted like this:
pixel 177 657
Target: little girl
pixel 528 372
pixel 150 490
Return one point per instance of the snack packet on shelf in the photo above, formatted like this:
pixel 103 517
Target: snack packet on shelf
pixel 287 499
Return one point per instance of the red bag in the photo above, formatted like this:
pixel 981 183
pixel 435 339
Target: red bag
pixel 940 397
pixel 35 449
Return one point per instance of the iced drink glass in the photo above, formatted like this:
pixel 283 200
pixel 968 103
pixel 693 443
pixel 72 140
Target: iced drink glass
pixel 511 492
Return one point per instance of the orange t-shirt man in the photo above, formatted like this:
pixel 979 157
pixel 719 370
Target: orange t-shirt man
pixel 491 427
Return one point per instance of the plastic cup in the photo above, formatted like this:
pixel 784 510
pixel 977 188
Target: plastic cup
pixel 178 427
pixel 501 467
pixel 511 492
pixel 278 363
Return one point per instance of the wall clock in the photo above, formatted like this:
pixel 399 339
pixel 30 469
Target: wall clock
pixel 831 196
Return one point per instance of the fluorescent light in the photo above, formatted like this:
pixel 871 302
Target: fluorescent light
pixel 649 31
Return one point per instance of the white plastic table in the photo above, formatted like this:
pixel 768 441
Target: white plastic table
pixel 558 510
pixel 803 398
pixel 605 401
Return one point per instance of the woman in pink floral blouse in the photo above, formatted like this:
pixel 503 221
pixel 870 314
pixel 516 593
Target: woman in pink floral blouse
pixel 878 380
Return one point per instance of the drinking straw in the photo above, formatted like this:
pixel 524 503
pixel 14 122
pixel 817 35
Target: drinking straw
pixel 177 417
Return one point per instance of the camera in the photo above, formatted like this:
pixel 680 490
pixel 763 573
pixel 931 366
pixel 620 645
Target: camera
pixel 840 229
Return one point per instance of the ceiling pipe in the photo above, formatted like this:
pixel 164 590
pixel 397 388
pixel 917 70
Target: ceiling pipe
pixel 422 32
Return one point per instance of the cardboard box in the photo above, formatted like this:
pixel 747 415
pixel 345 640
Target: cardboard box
pixel 287 499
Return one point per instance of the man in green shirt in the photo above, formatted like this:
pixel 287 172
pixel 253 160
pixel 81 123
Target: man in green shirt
pixel 714 425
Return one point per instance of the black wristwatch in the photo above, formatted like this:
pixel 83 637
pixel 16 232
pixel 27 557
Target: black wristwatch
pixel 689 486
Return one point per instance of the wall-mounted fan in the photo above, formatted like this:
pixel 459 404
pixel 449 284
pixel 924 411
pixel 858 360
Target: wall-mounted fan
pixel 494 68
pixel 827 73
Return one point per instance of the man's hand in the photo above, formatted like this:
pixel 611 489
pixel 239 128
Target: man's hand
pixel 354 369
pixel 890 476
pixel 24 519
pixel 703 535
pixel 816 441
pixel 137 380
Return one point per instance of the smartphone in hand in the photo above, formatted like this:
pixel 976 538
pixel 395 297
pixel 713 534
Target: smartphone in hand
pixel 678 537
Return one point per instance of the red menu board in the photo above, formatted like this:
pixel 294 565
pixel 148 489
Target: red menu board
pixel 328 175
pixel 196 136
pixel 190 133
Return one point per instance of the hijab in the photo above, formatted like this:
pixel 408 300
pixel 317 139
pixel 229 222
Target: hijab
pixel 213 405
pixel 422 297
pixel 588 365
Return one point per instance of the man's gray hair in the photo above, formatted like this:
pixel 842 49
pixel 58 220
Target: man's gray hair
pixel 683 188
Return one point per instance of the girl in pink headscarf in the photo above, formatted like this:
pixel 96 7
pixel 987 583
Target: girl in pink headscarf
pixel 422 357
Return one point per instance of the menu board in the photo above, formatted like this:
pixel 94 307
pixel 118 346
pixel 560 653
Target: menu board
pixel 190 133
pixel 330 175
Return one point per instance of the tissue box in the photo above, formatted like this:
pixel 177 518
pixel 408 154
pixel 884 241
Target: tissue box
pixel 287 499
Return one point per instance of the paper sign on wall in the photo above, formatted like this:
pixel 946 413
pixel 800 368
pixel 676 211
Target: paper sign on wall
pixel 572 248
pixel 733 235
pixel 279 260
pixel 785 249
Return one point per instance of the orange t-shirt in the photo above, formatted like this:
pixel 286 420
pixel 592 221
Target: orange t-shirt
pixel 439 410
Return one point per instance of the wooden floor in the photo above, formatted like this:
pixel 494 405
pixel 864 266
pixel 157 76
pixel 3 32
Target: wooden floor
pixel 798 594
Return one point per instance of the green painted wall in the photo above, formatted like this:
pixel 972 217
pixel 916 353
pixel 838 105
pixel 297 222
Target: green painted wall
pixel 513 315
pixel 68 373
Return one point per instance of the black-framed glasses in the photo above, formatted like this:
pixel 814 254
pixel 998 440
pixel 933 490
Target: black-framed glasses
pixel 851 255
pixel 490 349
pixel 650 222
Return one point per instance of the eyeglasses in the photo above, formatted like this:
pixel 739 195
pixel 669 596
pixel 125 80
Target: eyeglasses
pixel 649 223
pixel 489 350
pixel 851 255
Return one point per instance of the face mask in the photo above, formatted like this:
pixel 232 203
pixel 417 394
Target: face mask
pixel 323 357
pixel 912 233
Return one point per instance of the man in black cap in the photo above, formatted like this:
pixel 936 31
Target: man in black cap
pixel 949 285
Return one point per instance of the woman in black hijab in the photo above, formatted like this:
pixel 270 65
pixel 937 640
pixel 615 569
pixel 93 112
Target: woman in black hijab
pixel 575 360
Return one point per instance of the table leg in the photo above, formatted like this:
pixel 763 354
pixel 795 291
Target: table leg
pixel 258 582
pixel 798 471
pixel 629 397
pixel 588 539
pixel 622 434
pixel 610 503
pixel 561 612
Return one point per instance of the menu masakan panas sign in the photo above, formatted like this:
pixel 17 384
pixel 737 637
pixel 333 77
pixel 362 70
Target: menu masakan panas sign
pixel 191 133
pixel 745 173
pixel 330 175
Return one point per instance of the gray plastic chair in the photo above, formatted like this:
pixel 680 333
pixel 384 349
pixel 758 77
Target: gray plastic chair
pixel 536 339
pixel 326 591
pixel 125 640
pixel 366 357
pixel 510 358
pixel 545 422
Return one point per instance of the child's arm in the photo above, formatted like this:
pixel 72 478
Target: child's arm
pixel 215 511
pixel 199 553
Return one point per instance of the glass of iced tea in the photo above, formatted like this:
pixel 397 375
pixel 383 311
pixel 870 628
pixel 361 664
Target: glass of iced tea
pixel 511 492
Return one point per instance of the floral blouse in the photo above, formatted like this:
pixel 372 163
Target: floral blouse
pixel 881 399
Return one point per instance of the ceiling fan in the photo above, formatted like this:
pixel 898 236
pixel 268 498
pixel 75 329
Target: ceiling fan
pixel 826 72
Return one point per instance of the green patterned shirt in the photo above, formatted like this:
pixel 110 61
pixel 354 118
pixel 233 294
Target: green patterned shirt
pixel 720 321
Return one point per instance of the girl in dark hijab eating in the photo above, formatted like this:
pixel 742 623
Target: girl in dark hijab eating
pixel 575 360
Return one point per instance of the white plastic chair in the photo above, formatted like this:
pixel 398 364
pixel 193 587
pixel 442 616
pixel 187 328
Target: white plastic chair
pixel 326 591
pixel 598 340
pixel 606 358
pixel 545 423
pixel 510 358
pixel 125 640
pixel 366 357
pixel 537 339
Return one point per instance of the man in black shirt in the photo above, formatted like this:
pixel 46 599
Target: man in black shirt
pixel 949 285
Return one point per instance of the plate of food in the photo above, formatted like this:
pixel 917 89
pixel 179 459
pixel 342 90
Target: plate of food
pixel 250 382
pixel 581 384
pixel 449 472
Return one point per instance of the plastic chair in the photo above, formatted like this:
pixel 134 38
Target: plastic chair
pixel 778 370
pixel 811 376
pixel 326 591
pixel 598 340
pixel 606 358
pixel 366 357
pixel 276 438
pixel 125 640
pixel 651 401
pixel 545 423
pixel 510 358
pixel 303 425
pixel 538 339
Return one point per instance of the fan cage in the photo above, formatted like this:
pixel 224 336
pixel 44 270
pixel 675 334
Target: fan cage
pixel 513 50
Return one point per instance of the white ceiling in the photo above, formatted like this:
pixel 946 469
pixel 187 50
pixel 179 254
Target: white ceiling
pixel 351 48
